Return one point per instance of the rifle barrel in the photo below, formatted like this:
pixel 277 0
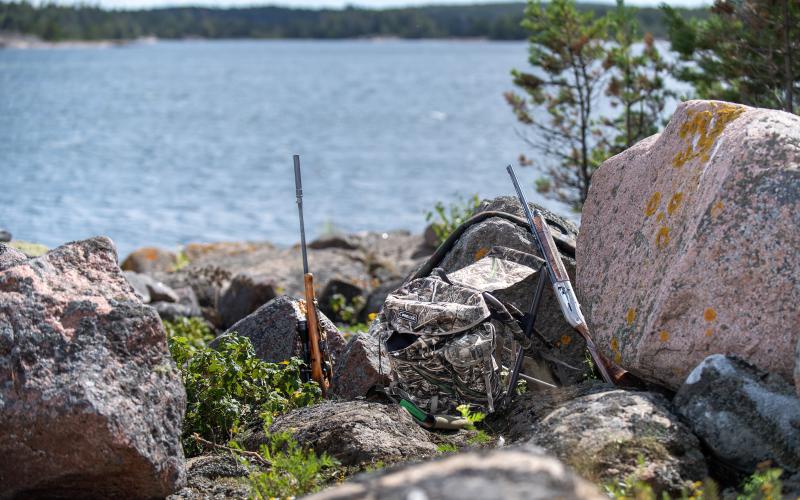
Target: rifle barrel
pixel 298 188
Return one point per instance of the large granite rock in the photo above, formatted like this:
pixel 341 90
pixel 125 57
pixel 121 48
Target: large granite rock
pixel 359 368
pixel 91 404
pixel 10 257
pixel 688 244
pixel 149 260
pixel 796 366
pixel 504 474
pixel 564 342
pixel 744 415
pixel 245 294
pixel 272 329
pixel 358 432
pixel 604 433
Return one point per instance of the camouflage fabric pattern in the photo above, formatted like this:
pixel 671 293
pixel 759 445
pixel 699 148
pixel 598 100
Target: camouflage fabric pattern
pixel 501 268
pixel 429 306
pixel 452 352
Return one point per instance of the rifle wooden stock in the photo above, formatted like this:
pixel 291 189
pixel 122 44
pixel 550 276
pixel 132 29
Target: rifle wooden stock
pixel 317 372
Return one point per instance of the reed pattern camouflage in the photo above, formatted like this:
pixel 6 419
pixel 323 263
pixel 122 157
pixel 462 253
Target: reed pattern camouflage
pixel 447 342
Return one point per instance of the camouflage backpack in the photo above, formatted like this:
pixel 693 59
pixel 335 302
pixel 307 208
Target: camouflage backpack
pixel 449 341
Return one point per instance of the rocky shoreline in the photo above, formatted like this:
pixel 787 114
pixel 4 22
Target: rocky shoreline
pixel 673 245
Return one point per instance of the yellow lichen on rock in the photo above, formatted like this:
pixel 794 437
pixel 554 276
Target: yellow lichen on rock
pixel 652 204
pixel 662 237
pixel 674 202
pixel 630 317
pixel 704 127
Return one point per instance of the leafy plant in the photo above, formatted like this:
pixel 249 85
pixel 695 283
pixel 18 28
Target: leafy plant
pixel 474 418
pixel 229 387
pixel 763 485
pixel 445 220
pixel 181 261
pixel 446 448
pixel 196 331
pixel 293 470
pixel 346 310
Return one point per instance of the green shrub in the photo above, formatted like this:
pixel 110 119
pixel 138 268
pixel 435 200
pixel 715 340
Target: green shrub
pixel 346 310
pixel 293 471
pixel 763 485
pixel 447 219
pixel 229 388
pixel 196 331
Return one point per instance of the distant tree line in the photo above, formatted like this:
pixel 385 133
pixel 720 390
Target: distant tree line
pixel 493 21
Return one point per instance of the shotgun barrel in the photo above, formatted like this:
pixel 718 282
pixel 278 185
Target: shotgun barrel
pixel 312 319
pixel 562 287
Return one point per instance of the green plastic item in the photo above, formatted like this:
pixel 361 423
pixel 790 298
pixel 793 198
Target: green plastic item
pixel 413 410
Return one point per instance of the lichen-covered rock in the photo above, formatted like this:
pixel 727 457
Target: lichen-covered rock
pixel 148 260
pixel 91 404
pixel 358 432
pixel 216 477
pixel 688 244
pixel 744 415
pixel 272 329
pixel 602 432
pixel 506 474
pixel 797 367
pixel 359 368
pixel 478 240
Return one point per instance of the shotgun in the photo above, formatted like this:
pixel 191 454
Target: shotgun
pixel 562 287
pixel 310 332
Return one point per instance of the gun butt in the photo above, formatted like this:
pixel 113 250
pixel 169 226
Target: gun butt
pixel 317 372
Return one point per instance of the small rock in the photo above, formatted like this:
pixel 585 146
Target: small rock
pixel 358 432
pixel 91 403
pixel 430 238
pixel 343 242
pixel 213 477
pixel 518 473
pixel 744 415
pixel 4 236
pixel 246 293
pixel 10 257
pixel 602 432
pixel 272 329
pixel 139 283
pixel 148 260
pixel 377 297
pixel 358 368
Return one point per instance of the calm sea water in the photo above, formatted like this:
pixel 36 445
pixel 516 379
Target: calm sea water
pixel 175 142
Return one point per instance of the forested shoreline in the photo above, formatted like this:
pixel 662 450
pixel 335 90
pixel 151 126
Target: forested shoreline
pixel 493 21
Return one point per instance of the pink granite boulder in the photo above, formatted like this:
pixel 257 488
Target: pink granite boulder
pixel 689 244
pixel 91 403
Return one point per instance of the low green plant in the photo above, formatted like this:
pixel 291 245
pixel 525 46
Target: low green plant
pixel 293 469
pixel 229 388
pixel 446 448
pixel 196 332
pixel 346 310
pixel 763 485
pixel 181 261
pixel 474 418
pixel 444 220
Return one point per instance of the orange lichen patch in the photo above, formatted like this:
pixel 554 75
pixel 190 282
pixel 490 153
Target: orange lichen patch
pixel 674 202
pixel 662 237
pixel 660 217
pixel 614 344
pixel 617 357
pixel 663 335
pixel 709 314
pixel 630 317
pixel 705 127
pixel 709 332
pixel 150 253
pixel 566 339
pixel 652 204
pixel 717 209
pixel 481 253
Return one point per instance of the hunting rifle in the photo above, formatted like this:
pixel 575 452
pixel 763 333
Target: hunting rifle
pixel 310 332
pixel 562 288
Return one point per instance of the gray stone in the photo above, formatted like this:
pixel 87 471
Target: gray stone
pixel 796 366
pixel 504 474
pixel 346 289
pixel 5 236
pixel 602 432
pixel 216 477
pixel 358 368
pixel 377 297
pixel 272 329
pixel 91 403
pixel 246 293
pixel 358 432
pixel 148 260
pixel 563 341
pixel 743 414
pixel 10 257
pixel 139 283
